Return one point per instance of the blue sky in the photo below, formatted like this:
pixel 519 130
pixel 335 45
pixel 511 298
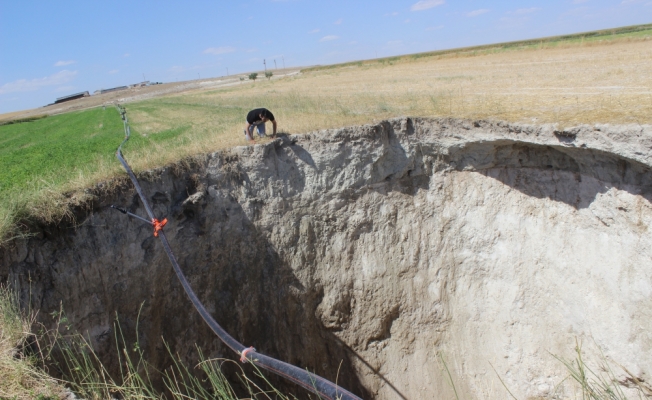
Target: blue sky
pixel 49 49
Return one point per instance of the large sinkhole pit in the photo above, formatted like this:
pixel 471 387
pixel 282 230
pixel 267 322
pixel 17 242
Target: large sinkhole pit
pixel 370 254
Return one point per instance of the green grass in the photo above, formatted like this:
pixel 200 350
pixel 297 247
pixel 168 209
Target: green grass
pixel 43 159
pixel 22 120
pixel 601 382
pixel 54 148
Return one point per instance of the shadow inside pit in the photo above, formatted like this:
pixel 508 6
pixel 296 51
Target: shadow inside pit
pixel 557 173
pixel 373 370
pixel 243 282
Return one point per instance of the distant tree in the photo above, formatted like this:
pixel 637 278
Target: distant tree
pixel 253 76
pixel 268 74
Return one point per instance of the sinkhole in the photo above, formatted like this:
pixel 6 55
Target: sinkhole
pixel 374 256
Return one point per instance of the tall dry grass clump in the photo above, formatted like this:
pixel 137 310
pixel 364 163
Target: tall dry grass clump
pixel 20 374
pixel 25 359
pixel 601 381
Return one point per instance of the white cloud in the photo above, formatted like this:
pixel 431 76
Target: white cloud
pixel 24 85
pixel 426 4
pixel 391 14
pixel 475 13
pixel 434 28
pixel 64 63
pixel 329 38
pixel 407 21
pixel 314 31
pixel 338 22
pixel 522 11
pixel 125 55
pixel 114 71
pixel 219 50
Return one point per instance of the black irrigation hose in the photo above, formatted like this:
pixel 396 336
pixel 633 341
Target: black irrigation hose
pixel 314 383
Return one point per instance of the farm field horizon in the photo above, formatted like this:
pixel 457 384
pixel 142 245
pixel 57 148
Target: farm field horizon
pixel 566 83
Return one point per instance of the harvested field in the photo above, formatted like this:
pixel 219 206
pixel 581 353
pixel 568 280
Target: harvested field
pixel 582 84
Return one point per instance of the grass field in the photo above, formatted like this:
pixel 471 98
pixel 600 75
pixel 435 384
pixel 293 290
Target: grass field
pixel 45 158
pixel 51 149
pixel 577 79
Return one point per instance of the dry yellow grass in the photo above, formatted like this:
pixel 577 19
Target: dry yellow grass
pixel 611 83
pixel 19 377
pixel 568 85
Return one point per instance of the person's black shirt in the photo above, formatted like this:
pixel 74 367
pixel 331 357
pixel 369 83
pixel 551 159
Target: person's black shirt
pixel 254 115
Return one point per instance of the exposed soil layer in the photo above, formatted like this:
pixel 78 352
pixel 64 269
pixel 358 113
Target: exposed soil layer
pixel 371 250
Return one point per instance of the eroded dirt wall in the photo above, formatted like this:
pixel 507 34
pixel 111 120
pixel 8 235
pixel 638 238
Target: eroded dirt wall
pixel 379 247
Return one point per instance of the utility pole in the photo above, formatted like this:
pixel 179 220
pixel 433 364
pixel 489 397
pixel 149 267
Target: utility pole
pixel 227 71
pixel 264 63
pixel 283 61
pixel 144 77
pixel 275 64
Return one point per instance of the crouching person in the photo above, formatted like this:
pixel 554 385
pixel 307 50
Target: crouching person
pixel 256 119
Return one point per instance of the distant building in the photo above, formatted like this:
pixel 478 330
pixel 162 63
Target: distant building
pixel 141 84
pixel 71 97
pixel 115 89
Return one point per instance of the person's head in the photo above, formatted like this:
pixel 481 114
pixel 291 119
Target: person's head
pixel 263 117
